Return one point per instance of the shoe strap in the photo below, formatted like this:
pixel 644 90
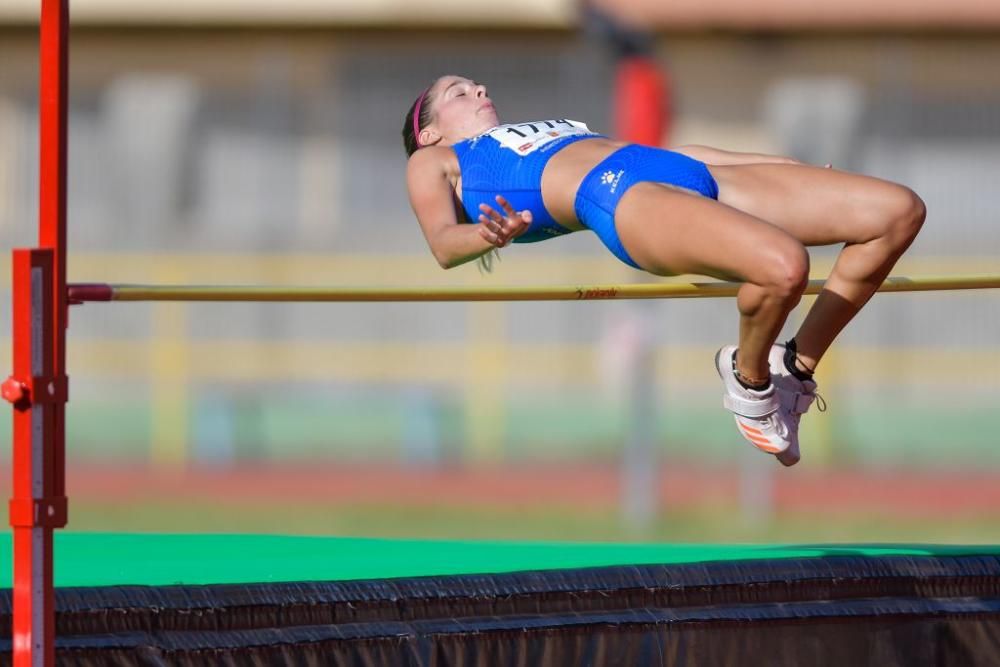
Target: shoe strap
pixel 753 408
pixel 802 402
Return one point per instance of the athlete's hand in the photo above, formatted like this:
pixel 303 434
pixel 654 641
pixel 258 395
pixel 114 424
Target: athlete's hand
pixel 500 230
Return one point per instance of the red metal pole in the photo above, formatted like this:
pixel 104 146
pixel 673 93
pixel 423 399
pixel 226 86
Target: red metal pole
pixel 38 387
pixel 52 108
pixel 37 506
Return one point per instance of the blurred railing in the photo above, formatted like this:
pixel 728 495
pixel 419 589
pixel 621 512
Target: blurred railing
pixel 766 14
pixel 174 383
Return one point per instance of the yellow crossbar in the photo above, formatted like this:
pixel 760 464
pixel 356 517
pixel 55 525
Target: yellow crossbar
pixel 79 293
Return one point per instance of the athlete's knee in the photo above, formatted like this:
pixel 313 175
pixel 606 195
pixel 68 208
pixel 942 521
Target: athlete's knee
pixel 914 212
pixel 786 270
pixel 903 214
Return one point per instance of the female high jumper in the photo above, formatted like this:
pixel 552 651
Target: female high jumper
pixel 691 209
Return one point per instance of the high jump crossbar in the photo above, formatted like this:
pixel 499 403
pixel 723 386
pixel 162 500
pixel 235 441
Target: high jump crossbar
pixel 89 292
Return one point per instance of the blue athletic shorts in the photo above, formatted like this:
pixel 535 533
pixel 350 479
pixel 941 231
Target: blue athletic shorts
pixel 602 188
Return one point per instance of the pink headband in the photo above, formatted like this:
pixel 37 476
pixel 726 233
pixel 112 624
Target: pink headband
pixel 416 116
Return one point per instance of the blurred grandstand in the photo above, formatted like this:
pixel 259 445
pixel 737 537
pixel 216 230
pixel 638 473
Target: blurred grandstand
pixel 258 142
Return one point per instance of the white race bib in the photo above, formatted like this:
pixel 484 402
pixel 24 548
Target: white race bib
pixel 524 138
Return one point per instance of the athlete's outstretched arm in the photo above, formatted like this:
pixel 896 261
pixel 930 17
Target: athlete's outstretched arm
pixel 436 207
pixel 719 157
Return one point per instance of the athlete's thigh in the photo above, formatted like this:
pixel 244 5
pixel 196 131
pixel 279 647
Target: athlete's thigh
pixel 670 232
pixel 817 206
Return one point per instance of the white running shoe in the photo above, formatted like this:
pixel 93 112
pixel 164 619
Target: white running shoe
pixel 796 396
pixel 758 414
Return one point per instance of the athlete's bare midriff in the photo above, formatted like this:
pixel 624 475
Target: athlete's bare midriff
pixel 561 177
pixel 566 170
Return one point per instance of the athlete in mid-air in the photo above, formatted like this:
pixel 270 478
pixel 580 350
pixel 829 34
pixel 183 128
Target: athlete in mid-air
pixel 692 209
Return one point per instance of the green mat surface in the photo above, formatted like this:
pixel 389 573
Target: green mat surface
pixel 109 559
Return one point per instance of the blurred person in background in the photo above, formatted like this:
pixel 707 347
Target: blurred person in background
pixel 690 210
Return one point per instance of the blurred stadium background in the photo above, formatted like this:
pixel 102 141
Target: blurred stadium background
pixel 257 142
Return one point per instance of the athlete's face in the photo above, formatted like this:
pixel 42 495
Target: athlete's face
pixel 461 109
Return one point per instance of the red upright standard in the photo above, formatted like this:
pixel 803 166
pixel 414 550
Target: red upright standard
pixel 38 387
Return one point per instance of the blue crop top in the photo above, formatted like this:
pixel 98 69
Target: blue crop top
pixel 508 160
